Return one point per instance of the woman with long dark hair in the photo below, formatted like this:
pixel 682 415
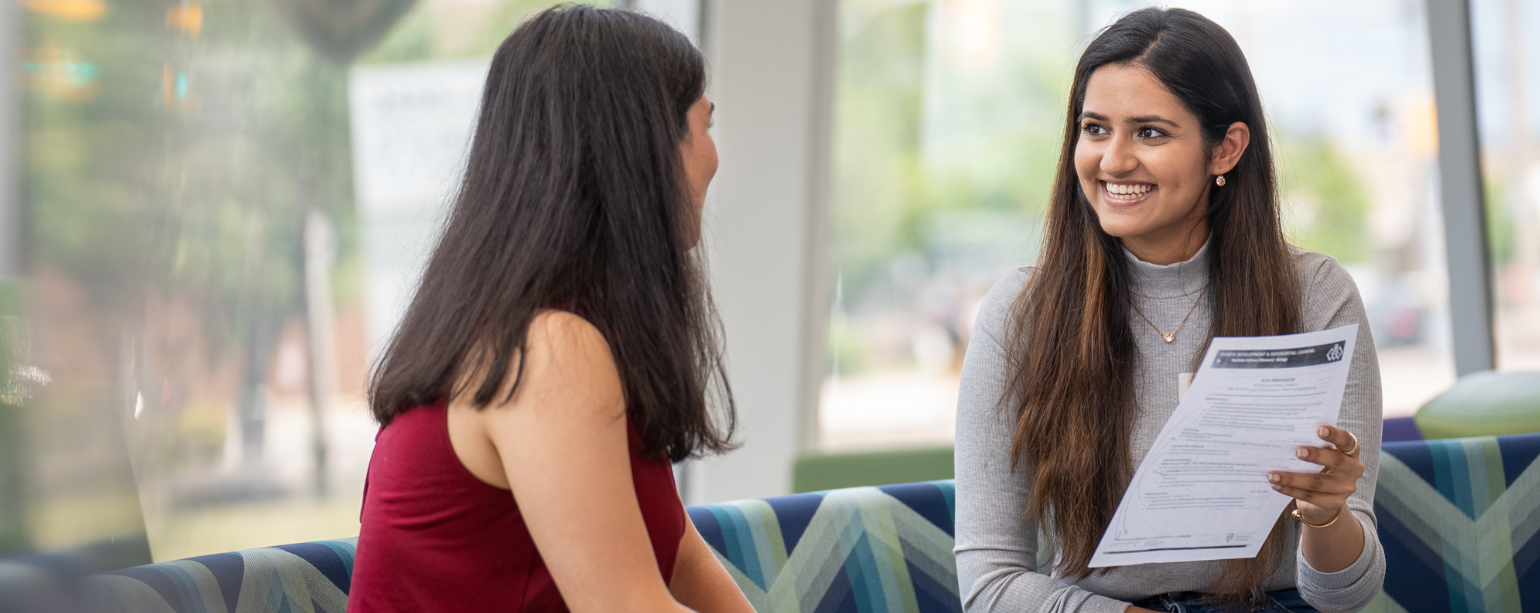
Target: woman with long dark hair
pixel 561 349
pixel 1162 233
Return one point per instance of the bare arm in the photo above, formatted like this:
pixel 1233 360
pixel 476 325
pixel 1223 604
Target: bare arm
pixel 562 444
pixel 701 582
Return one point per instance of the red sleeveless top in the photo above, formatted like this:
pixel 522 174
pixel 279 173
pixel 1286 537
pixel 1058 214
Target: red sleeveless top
pixel 436 538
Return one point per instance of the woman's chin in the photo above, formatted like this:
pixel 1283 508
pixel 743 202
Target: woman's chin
pixel 1123 229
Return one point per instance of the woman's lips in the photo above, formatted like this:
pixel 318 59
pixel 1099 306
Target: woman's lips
pixel 1131 193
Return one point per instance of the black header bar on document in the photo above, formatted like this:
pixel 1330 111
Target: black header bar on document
pixel 1279 358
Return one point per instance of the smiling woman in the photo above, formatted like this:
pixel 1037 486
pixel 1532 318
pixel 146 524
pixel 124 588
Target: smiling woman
pixel 1144 162
pixel 1162 233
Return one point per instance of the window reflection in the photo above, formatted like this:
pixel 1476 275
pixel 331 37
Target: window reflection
pixel 208 268
pixel 947 128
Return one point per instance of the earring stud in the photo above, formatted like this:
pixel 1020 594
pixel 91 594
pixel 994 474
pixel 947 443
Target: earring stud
pixel 1219 180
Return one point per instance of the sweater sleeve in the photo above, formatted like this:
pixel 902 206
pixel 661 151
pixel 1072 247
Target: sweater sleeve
pixel 1332 300
pixel 997 556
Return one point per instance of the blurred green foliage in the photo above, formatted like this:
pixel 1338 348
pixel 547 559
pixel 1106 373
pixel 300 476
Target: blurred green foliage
pixel 921 135
pixel 847 356
pixel 1325 205
pixel 1500 230
pixel 878 197
pixel 14 467
pixel 169 166
pixel 184 171
pixel 425 34
pixel 946 141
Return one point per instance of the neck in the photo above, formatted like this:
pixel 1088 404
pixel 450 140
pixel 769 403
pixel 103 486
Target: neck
pixel 1166 250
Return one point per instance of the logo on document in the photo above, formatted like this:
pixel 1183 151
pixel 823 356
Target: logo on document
pixel 1335 353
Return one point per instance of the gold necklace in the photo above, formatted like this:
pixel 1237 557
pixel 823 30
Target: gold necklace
pixel 1171 336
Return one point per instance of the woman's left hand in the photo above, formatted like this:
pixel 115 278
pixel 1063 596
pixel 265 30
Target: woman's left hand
pixel 1322 496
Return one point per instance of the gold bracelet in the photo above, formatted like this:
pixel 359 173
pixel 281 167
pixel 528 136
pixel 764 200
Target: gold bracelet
pixel 1334 517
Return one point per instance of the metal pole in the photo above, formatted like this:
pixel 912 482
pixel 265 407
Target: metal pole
pixel 1460 189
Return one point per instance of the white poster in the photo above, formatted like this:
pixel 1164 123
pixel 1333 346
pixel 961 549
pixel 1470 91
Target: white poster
pixel 411 127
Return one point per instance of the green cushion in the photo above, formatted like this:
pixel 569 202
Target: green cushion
pixel 1484 404
pixel 828 471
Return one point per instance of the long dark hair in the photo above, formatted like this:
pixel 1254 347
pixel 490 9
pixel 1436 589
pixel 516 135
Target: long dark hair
pixel 1072 350
pixel 575 198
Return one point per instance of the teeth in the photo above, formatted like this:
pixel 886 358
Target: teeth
pixel 1130 190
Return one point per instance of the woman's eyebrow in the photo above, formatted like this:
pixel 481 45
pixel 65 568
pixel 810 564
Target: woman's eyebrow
pixel 1154 119
pixel 713 110
pixel 1089 115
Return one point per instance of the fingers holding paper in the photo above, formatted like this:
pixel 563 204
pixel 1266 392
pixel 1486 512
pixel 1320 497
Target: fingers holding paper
pixel 1321 496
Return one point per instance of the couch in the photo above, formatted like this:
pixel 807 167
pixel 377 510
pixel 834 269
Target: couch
pixel 1458 519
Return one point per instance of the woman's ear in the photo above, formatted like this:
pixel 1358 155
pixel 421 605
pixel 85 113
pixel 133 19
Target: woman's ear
pixel 1228 152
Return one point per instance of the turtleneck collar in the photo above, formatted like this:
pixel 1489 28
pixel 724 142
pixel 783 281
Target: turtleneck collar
pixel 1172 280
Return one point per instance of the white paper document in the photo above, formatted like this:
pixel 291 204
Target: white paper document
pixel 1202 492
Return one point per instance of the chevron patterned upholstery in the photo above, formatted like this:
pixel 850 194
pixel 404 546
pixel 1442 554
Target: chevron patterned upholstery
pixel 300 578
pixel 866 549
pixel 1458 519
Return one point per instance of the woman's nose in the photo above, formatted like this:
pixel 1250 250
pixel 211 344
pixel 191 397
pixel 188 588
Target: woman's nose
pixel 1118 158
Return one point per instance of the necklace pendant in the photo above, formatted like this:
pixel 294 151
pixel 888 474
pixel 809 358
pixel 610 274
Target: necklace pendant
pixel 1169 336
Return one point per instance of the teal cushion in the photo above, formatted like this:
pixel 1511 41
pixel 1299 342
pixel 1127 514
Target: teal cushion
pixel 1484 404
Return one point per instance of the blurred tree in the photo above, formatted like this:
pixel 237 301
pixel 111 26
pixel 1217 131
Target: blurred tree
pixel 1500 231
pixel 436 31
pixel 183 176
pixel 1324 201
pixel 173 150
pixel 877 188
pixel 14 465
pixel 341 29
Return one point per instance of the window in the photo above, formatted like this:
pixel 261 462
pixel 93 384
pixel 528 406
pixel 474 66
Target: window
pixel 948 118
pixel 1507 69
pixel 214 250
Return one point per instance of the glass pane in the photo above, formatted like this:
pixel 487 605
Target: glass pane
pixel 213 248
pixel 1507 71
pixel 947 128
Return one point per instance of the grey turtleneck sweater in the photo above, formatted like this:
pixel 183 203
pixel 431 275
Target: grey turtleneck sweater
pixel 999 565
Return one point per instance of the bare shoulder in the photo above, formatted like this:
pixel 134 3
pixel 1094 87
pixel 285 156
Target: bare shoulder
pixel 557 345
pixel 562 334
pixel 567 358
pixel 567 389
